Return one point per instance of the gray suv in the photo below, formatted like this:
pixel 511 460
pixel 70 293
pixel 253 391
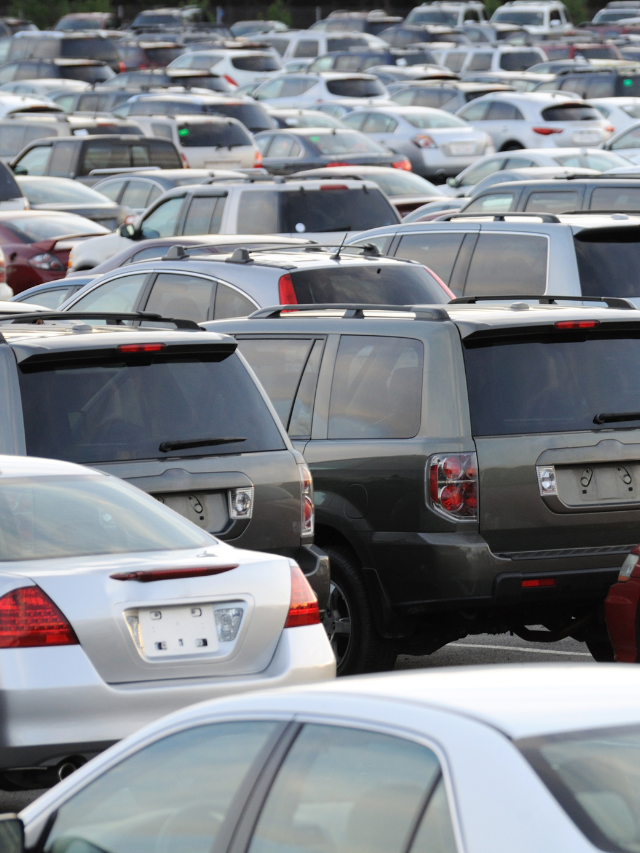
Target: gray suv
pixel 477 468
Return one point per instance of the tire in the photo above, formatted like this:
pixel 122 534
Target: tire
pixel 349 621
pixel 512 146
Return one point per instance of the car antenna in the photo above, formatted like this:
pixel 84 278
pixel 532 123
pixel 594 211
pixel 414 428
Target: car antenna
pixel 336 256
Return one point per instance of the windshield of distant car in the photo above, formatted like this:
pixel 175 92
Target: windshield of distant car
pixel 89 48
pixel 212 134
pixel 345 143
pixel 519 17
pixel 73 516
pixel 59 191
pixel 433 120
pixel 30 229
pixel 433 16
pixel 356 87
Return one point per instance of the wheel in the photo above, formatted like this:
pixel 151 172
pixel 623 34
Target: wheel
pixel 512 146
pixel 349 621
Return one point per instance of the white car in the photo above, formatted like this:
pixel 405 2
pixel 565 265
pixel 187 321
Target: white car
pixel 303 90
pixel 539 18
pixel 43 88
pixel 621 113
pixel 436 142
pixel 307 44
pixel 536 120
pixel 238 67
pixel 10 103
pixel 511 759
pixel 627 143
pixel 115 610
pixel 447 14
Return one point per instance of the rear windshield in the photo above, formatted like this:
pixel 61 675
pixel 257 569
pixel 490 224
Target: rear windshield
pixel 256 63
pixel 346 43
pixel 608 259
pixel 345 143
pixel 571 112
pixel 216 134
pixel 552 383
pixel 252 116
pixel 519 60
pixel 384 284
pixel 433 16
pixel 521 18
pixel 127 409
pixel 89 48
pixel 163 55
pixel 146 19
pixel 334 210
pixel 355 87
pixel 87 73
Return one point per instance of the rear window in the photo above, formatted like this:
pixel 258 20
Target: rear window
pixel 252 116
pixel 256 63
pixel 551 383
pixel 345 143
pixel 355 87
pixel 519 60
pixel 89 48
pixel 346 43
pixel 608 261
pixel 571 112
pixel 163 55
pixel 384 284
pixel 334 210
pixel 87 73
pixel 215 134
pixel 125 409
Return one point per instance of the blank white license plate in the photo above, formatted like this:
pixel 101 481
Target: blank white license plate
pixel 586 137
pixel 222 164
pixel 178 630
pixel 461 147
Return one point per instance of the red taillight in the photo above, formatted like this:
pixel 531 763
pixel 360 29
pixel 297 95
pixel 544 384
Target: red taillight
pixel 257 160
pixel 577 324
pixel 149 575
pixel 141 347
pixel 334 187
pixel 403 164
pixel 121 67
pixel 337 163
pixel 29 618
pixel 423 140
pixel 610 128
pixel 538 582
pixel 286 292
pixel 230 80
pixel 453 485
pixel 306 493
pixel 303 609
pixel 546 131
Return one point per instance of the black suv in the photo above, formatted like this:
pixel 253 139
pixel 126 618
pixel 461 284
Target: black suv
pixel 592 82
pixel 470 476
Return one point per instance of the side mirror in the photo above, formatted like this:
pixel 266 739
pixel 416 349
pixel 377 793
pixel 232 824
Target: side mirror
pixel 129 231
pixel 453 182
pixel 11 834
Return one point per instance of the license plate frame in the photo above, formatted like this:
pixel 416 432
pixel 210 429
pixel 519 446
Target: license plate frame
pixel 586 137
pixel 461 149
pixel 177 630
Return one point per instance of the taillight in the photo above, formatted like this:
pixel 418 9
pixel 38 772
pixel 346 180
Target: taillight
pixel 306 493
pixel 121 67
pixel 46 261
pixel 629 565
pixel 546 131
pixel 303 609
pixel 424 141
pixel 338 163
pixel 230 80
pixel 129 348
pixel 3 276
pixel 29 618
pixel 286 292
pixel 151 575
pixel 257 160
pixel 567 325
pixel 453 485
pixel 610 128
pixel 404 164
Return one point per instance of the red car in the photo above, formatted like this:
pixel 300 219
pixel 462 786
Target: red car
pixel 621 610
pixel 36 244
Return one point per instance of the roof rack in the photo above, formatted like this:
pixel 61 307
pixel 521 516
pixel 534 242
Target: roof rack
pixel 117 318
pixel 241 255
pixel 500 217
pixel 609 301
pixel 352 310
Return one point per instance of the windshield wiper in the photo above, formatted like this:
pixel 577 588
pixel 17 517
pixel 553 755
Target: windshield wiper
pixel 616 417
pixel 197 442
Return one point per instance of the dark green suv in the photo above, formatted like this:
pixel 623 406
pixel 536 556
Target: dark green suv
pixel 476 467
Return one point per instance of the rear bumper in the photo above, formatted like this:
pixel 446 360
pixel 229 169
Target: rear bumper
pixel 54 704
pixel 621 611
pixel 315 565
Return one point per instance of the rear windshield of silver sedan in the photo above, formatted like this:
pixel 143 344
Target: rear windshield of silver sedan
pixel 144 408
pixel 381 284
pixel 609 258
pixel 74 516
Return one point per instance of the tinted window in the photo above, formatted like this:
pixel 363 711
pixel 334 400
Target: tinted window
pixel 306 48
pixel 628 85
pixel 608 261
pixel 615 198
pixel 436 250
pixel 181 296
pixel 231 303
pixel 553 202
pixel 212 761
pixel 126 409
pixel 217 135
pixel 89 48
pixel 62 160
pixel 104 155
pixel 334 210
pixel 258 212
pixel 492 203
pixel 345 43
pixel 519 60
pixel 379 123
pixel 204 215
pixel 163 220
pixel 355 87
pixel 551 384
pixel 576 84
pixel 371 805
pixel 480 62
pixel 600 85
pixel 251 116
pixel 377 388
pixel 259 62
pixel 301 416
pixel 8 187
pixel 508 264
pixel 119 294
pixel 571 112
pixel 111 189
pixel 386 284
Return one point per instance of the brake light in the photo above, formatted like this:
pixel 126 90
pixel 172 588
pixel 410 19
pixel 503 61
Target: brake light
pixel 141 347
pixel 453 485
pixel 286 291
pixel 334 187
pixel 306 493
pixel 424 141
pixel 121 67
pixel 546 131
pixel 29 618
pixel 230 80
pixel 147 576
pixel 337 163
pixel 257 159
pixel 3 276
pixel 538 582
pixel 610 128
pixel 577 324
pixel 303 609
pixel 403 164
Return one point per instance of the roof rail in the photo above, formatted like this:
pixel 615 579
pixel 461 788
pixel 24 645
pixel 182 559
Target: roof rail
pixel 118 318
pixel 500 217
pixel 352 310
pixel 609 301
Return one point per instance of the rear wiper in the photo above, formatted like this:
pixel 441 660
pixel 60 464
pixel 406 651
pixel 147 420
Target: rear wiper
pixel 616 417
pixel 197 442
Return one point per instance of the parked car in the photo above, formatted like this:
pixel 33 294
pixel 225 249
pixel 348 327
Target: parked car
pixel 307 44
pixel 586 255
pixel 534 17
pixel 318 210
pixel 449 95
pixel 93 102
pixel 620 112
pixel 88 158
pixel 499 520
pixel 237 66
pixel 287 151
pixel 363 60
pixel 228 623
pixel 299 90
pixel 303 118
pixel 495 58
pixel 447 13
pixel 52 44
pixel 435 142
pixel 44 88
pixel 536 120
pixel 627 143
pixel 621 609
pixel 365 22
pixel 586 50
pixel 582 158
pixel 589 81
pixel 86 70
pixel 405 190
pixel 68 196
pixel 88 21
pixel 143 52
pixel 167 17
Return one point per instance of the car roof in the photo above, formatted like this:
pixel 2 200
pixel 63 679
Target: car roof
pixel 534 98
pixel 560 182
pixel 31 466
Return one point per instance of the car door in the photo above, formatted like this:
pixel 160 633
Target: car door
pixel 504 123
pixel 382 128
pixel 446 252
pixel 203 215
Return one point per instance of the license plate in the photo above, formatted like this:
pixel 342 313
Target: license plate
pixel 178 630
pixel 461 147
pixel 586 137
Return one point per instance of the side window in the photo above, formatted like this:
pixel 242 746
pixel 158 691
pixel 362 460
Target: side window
pixel 455 61
pixel 302 414
pixel 136 194
pixel 435 833
pixel 306 48
pixel 154 195
pixel 296 150
pixel 405 98
pixel 8 71
pixel 103 154
pixel 480 62
pixel 371 806
pixel 258 212
pixel 281 146
pixel 475 111
pixel 62 160
pixel 618 198
pixel 111 189
pixel 50 298
pixel 494 203
pixel 119 294
pixel 628 140
pixel 436 250
pixel 357 119
pixel 518 163
pixel 201 217
pixel 231 303
pixel 377 388
pixel 476 173
pixel 182 296
pixel 553 202
pixel 163 220
pixel 508 264
pixel 162 130
pixel 263 143
pixel 34 162
pixel 213 762
pixel 379 123
pixel 600 86
pixel 575 84
pixel 381 243
pixel 501 111
pixel 140 155
pixel 278 363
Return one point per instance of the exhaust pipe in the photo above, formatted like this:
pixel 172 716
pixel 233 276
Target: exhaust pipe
pixel 67 767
